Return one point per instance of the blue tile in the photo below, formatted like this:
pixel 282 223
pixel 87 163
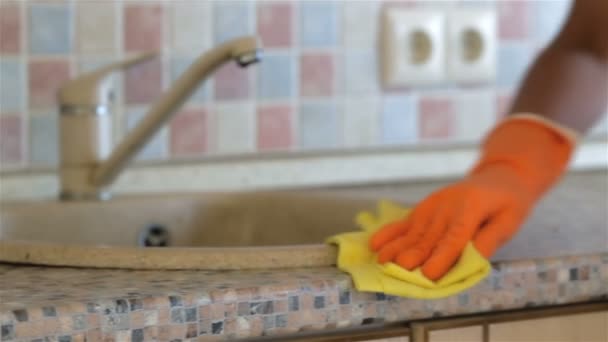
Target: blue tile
pixel 513 61
pixel 399 120
pixel 548 19
pixel 178 67
pixel 12 83
pixel 50 29
pixel 361 73
pixel 318 125
pixel 44 139
pixel 276 77
pixel 154 148
pixel 231 19
pixel 318 23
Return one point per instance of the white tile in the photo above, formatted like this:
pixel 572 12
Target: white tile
pixel 475 114
pixel 361 122
pixel 191 29
pixel 235 125
pixel 361 23
pixel 361 73
pixel 96 27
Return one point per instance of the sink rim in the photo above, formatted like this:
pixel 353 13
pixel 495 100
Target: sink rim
pixel 154 258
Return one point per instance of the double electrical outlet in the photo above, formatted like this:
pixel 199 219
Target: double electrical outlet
pixel 429 47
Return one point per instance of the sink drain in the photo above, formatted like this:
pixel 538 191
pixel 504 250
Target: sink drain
pixel 154 236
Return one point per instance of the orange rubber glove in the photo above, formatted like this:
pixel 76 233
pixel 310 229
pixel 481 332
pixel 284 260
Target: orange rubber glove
pixel 521 159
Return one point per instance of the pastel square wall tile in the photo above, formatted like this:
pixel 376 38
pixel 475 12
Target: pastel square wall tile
pixel 179 65
pixel 275 78
pixel 274 127
pixel 513 19
pixel 437 119
pixel 44 139
pixel 361 73
pixel 12 86
pixel 318 125
pixel 361 122
pixel 513 61
pixel 188 131
pixel 50 28
pixel 232 82
pixel 143 83
pixel 317 74
pixel 361 23
pixel 45 78
pixel 96 26
pixel 191 25
pixel 155 148
pixel 10 140
pixel 143 26
pixel 231 19
pixel 399 119
pixel 10 27
pixel 549 16
pixel 319 23
pixel 235 128
pixel 504 101
pixel 475 114
pixel 275 23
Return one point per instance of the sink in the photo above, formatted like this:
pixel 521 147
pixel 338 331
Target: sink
pixel 180 231
pixel 266 229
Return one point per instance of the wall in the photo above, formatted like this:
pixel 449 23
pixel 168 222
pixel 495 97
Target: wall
pixel 317 88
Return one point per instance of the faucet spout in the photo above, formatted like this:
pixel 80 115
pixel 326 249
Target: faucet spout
pixel 244 51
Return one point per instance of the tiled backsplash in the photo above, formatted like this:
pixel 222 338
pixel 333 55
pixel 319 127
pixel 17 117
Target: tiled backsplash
pixel 317 87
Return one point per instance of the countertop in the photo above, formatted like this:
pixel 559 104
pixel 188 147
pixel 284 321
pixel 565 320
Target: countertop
pixel 565 261
pixel 116 305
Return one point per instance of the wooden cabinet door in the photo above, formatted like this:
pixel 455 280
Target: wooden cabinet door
pixel 589 327
pixel 465 334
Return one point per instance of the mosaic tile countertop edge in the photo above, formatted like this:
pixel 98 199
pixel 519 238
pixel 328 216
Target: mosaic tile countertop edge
pixel 64 304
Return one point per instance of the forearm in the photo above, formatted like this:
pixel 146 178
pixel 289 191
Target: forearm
pixel 568 83
pixel 567 86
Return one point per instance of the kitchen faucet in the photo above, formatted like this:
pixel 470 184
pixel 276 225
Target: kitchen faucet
pixel 88 166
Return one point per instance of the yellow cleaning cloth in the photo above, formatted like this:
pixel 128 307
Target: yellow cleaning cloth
pixel 356 258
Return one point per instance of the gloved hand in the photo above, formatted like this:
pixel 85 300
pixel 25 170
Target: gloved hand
pixel 521 159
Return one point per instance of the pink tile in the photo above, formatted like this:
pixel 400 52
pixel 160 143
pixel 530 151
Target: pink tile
pixel 316 75
pixel 10 28
pixel 143 27
pixel 274 127
pixel 436 118
pixel 189 132
pixel 513 19
pixel 45 78
pixel 275 23
pixel 232 82
pixel 503 104
pixel 143 83
pixel 10 139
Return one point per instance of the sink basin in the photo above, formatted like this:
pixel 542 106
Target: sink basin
pixel 210 231
pixel 266 229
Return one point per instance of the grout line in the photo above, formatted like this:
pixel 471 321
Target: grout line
pixel 23 58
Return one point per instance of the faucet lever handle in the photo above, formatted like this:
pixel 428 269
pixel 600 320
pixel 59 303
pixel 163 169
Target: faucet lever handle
pixel 93 88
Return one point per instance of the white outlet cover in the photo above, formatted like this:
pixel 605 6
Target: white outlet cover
pixel 402 65
pixel 466 66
